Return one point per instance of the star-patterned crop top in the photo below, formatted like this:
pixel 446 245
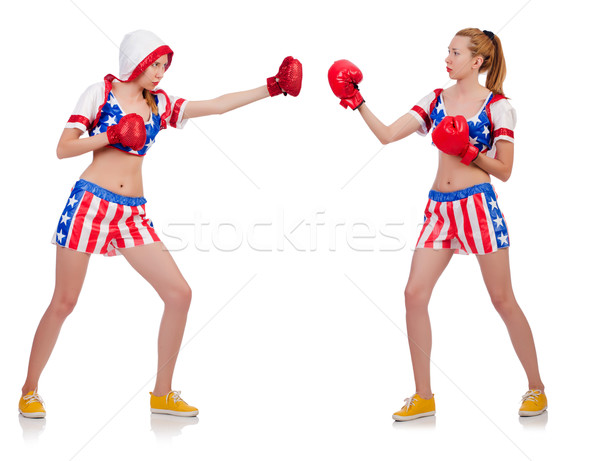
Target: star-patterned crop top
pixel 97 109
pixel 495 120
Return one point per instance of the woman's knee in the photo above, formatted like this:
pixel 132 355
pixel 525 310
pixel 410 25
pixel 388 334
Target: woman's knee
pixel 62 305
pixel 504 302
pixel 416 297
pixel 179 296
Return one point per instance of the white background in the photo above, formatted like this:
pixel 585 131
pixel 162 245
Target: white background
pixel 300 353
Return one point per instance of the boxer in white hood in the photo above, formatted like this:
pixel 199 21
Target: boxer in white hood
pixel 106 214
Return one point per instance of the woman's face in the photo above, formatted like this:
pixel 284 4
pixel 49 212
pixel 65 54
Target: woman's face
pixel 459 62
pixel 152 76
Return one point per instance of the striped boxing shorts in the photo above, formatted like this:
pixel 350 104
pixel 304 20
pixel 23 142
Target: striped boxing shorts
pixel 468 221
pixel 96 220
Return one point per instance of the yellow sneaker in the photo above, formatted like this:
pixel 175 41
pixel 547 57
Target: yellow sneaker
pixel 533 403
pixel 416 407
pixel 171 404
pixel 31 405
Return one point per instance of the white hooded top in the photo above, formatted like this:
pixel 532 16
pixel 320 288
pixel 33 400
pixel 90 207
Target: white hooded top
pixel 138 51
pixel 97 107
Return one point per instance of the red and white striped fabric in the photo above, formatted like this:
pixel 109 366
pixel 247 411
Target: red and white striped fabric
pixel 96 220
pixel 468 221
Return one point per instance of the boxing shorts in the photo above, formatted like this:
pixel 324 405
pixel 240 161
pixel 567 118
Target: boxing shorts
pixel 468 221
pixel 96 220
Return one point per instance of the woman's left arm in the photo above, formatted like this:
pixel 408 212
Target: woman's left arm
pixel 501 166
pixel 224 103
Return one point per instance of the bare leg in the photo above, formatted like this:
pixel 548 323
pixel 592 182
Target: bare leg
pixel 427 266
pixel 496 275
pixel 71 267
pixel 156 265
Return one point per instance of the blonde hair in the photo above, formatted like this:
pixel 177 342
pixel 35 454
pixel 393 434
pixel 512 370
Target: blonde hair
pixel 149 97
pixel 490 49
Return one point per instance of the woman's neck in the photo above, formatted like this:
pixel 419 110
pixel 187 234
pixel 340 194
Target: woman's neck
pixel 128 91
pixel 468 86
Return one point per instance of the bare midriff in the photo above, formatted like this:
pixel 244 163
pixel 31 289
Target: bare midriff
pixel 116 171
pixel 453 175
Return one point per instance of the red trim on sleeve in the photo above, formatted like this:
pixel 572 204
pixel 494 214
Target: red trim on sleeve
pixel 437 93
pixel 504 132
pixel 488 111
pixel 107 88
pixel 497 97
pixel 424 115
pixel 419 110
pixel 80 119
pixel 176 110
pixel 165 115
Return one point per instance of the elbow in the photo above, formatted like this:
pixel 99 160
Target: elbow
pixel 504 176
pixel 62 151
pixel 385 138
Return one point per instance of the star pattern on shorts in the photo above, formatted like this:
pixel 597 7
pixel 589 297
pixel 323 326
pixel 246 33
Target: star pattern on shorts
pixel 64 219
pixel 503 239
pixel 60 236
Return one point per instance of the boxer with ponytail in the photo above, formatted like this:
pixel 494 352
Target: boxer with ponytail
pixel 473 133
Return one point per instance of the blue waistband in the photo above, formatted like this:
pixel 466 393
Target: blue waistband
pixel 105 194
pixel 485 187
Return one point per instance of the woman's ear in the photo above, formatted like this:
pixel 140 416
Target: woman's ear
pixel 477 63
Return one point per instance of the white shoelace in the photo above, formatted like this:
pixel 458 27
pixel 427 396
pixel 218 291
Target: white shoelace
pixel 176 396
pixel 411 401
pixel 35 397
pixel 531 395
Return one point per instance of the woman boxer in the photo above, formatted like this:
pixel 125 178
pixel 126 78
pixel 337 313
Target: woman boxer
pixel 105 213
pixel 473 131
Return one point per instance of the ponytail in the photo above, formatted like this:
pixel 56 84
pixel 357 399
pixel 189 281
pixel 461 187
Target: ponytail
pixel 488 46
pixel 150 101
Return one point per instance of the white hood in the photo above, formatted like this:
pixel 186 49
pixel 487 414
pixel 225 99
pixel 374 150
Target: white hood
pixel 138 51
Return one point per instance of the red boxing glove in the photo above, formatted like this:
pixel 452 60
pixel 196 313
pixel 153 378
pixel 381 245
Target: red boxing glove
pixel 344 78
pixel 130 132
pixel 451 136
pixel 288 80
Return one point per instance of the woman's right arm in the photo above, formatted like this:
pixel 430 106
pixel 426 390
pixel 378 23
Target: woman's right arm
pixel 401 128
pixel 70 144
